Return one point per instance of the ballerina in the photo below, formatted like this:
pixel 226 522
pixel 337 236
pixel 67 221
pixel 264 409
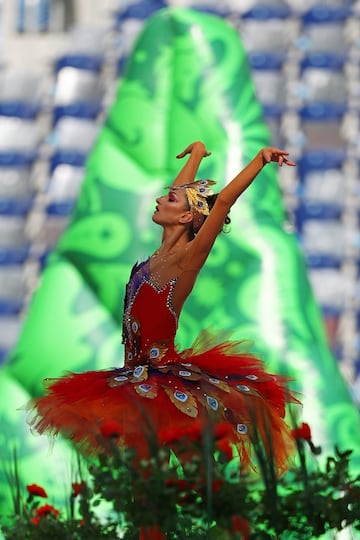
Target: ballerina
pixel 159 385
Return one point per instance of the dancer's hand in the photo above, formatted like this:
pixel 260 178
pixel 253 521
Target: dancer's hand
pixel 198 145
pixel 271 153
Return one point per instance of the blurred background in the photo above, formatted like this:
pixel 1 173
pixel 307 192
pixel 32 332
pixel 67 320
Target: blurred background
pixel 60 64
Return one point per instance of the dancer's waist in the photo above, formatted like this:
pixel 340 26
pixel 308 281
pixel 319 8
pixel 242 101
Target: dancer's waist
pixel 155 353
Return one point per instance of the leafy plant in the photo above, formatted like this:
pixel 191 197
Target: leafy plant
pixel 193 487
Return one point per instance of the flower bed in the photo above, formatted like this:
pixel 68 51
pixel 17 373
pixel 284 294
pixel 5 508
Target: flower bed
pixel 199 493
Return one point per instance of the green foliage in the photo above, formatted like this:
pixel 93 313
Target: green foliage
pixel 199 493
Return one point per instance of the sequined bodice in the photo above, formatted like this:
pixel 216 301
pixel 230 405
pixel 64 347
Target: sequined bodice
pixel 149 322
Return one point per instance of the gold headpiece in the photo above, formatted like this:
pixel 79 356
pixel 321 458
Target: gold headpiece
pixel 196 193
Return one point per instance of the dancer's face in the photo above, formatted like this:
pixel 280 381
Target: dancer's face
pixel 172 208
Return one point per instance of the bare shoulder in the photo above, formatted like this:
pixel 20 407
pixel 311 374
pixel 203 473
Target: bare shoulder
pixel 190 258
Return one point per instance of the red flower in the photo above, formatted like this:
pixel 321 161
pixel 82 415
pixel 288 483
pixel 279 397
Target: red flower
pixel 353 491
pixel 171 435
pixel 175 434
pixel 35 490
pixel 302 432
pixel 111 428
pixel 194 431
pixel 241 525
pixel 46 510
pixel 225 447
pixel 35 520
pixel 78 487
pixel 151 533
pixel 217 485
pixel 182 485
pixel 222 429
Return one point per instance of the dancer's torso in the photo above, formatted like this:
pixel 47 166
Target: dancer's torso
pixel 150 320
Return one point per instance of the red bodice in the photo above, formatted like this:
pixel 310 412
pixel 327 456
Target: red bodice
pixel 149 322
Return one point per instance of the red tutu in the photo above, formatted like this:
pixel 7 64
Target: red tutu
pixel 160 389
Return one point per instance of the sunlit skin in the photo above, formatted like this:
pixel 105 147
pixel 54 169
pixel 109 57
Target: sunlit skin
pixel 181 255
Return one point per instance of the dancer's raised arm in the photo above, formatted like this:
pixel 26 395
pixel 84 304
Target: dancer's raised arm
pixel 230 193
pixel 197 151
pixel 208 232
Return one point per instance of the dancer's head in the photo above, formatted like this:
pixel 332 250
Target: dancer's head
pixel 187 204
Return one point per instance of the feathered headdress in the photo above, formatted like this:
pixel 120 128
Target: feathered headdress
pixel 196 193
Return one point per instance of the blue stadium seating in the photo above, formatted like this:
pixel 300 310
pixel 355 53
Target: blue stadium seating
pixel 328 285
pixel 263 11
pixel 12 289
pixel 21 94
pixel 10 326
pixel 63 189
pixel 86 61
pixel 141 9
pixel 324 31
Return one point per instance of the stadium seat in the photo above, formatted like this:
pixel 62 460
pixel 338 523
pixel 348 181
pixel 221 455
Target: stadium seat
pixel 83 61
pixel 299 6
pixel 271 91
pixel 329 288
pixel 212 7
pixel 10 326
pixel 54 225
pixel 322 177
pixel 77 92
pixel 321 233
pixel 66 175
pixel 14 243
pixel 310 210
pixel 141 9
pixel 322 240
pixel 322 126
pixel 16 190
pixel 19 136
pixel 69 157
pixel 266 9
pixel 271 37
pixel 74 134
pixel 322 84
pixel 87 39
pixel 16 198
pixel 63 189
pixel 324 30
pixel 12 289
pixel 21 93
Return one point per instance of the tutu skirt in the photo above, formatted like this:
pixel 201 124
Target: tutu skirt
pixel 205 385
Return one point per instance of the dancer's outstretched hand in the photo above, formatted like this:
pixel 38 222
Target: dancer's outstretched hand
pixel 271 153
pixel 198 145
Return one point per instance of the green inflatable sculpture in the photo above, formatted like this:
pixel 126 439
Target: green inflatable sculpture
pixel 188 79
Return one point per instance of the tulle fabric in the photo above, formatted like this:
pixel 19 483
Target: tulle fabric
pixel 227 384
